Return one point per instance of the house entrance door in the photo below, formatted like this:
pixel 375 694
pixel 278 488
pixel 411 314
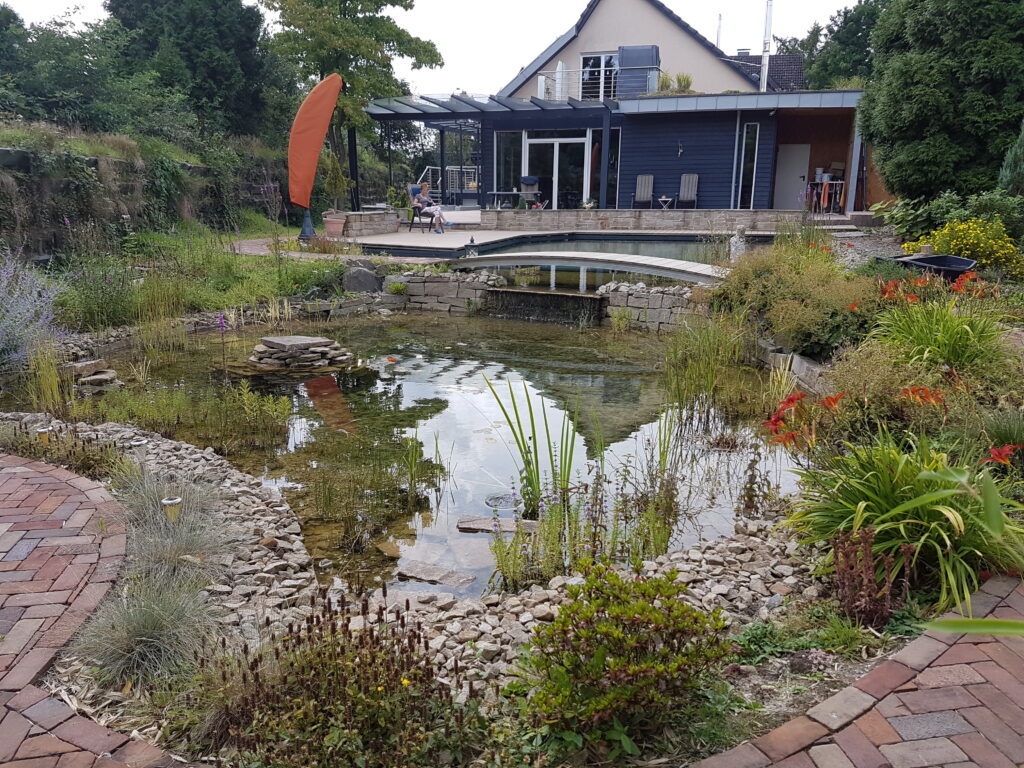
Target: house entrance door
pixel 561 170
pixel 792 164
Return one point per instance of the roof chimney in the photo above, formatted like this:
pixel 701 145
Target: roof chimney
pixel 743 52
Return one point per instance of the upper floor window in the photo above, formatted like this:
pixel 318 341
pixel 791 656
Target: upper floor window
pixel 598 73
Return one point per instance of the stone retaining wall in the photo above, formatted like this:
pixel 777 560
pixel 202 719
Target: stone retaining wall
pixel 692 220
pixel 366 223
pixel 652 309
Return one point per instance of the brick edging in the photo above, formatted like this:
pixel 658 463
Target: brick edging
pixel 850 727
pixel 61 548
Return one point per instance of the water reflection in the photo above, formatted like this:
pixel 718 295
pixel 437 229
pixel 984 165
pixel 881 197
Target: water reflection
pixel 382 461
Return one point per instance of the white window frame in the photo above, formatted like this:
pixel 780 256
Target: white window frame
pixel 743 163
pixel 604 70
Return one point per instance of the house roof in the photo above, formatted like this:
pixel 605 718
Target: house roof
pixel 535 66
pixel 729 102
pixel 785 70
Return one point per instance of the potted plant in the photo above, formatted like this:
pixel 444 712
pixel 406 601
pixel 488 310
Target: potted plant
pixel 334 222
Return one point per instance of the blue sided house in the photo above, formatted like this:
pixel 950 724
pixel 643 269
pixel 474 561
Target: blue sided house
pixel 632 107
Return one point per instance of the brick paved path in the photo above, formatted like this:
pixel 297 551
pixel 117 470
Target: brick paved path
pixel 945 700
pixel 57 561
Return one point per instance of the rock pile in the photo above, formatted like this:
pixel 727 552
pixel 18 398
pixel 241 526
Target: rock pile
pixel 298 353
pixel 92 377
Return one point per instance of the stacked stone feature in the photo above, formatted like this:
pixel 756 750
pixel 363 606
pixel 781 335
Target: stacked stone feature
pixel 298 353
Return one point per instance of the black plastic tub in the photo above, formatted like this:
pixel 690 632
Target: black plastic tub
pixel 945 265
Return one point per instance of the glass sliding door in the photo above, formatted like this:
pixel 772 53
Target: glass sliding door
pixel 542 165
pixel 508 161
pixel 612 182
pixel 570 173
pixel 748 165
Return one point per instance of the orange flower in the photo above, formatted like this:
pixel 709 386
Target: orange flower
pixel 912 298
pixel 853 307
pixel 832 401
pixel 1001 455
pixel 790 402
pixel 970 275
pixel 813 245
pixel 392 359
pixel 923 395
pixel 787 438
pixel 826 249
pixel 921 282
pixel 957 286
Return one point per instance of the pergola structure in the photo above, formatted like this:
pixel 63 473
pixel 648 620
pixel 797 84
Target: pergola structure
pixel 464 114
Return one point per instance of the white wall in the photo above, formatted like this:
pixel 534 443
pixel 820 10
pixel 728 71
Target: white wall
pixel 637 22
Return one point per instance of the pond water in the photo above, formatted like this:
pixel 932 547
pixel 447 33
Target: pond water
pixel 690 249
pixel 418 402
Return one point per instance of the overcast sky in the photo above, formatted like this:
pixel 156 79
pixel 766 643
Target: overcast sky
pixel 486 42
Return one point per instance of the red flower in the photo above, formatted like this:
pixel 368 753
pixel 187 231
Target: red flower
pixel 832 401
pixel 970 275
pixel 849 245
pixel 853 307
pixel 1001 455
pixel 392 359
pixel 957 286
pixel 912 298
pixel 921 282
pixel 826 249
pixel 774 424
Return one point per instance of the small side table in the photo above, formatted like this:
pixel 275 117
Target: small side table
pixel 665 202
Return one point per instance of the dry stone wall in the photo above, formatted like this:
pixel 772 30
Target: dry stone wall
pixel 652 309
pixel 692 220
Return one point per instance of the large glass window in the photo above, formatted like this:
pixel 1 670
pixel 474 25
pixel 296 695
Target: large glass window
pixel 748 165
pixel 598 73
pixel 508 153
pixel 612 183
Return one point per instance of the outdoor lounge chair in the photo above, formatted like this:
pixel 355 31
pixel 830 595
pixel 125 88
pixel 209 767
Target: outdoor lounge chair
pixel 643 197
pixel 687 191
pixel 424 219
pixel 530 185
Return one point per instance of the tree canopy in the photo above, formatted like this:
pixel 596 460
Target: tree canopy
pixel 947 93
pixel 846 51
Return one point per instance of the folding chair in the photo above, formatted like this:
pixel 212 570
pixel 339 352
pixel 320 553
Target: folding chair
pixel 644 194
pixel 687 190
pixel 424 219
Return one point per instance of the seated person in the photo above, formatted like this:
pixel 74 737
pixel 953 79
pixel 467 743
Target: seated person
pixel 426 204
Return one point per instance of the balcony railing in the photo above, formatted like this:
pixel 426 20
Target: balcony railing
pixel 597 84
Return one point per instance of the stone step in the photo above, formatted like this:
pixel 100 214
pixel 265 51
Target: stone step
pixel 417 570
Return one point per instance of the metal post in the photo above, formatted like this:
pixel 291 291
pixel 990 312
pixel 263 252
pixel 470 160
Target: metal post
pixel 353 166
pixel 391 170
pixel 552 277
pixel 583 279
pixel 606 140
pixel 307 232
pixel 444 168
pixel 462 171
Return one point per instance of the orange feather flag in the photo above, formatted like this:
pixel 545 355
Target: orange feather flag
pixel 307 137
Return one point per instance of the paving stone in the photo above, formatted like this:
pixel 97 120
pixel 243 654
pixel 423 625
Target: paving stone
pixel 41 746
pixel 76 760
pixel 936 700
pixel 829 756
pixel 1005 658
pixel 920 653
pixel 885 678
pixel 954 674
pixel 743 756
pixel 27 669
pixel 799 760
pixel 13 729
pixel 841 709
pixel 931 725
pixel 48 713
pixel 999 703
pixel 982 751
pixel 927 753
pixel 1009 742
pixel 877 729
pixel 26 697
pixel 36 762
pixel 1001 679
pixel 859 749
pixel 961 653
pixel 790 738
pixel 88 735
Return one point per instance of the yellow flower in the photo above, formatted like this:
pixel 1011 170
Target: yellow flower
pixel 380 687
pixel 405 681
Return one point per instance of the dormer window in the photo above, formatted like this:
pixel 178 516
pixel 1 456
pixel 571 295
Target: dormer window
pixel 598 73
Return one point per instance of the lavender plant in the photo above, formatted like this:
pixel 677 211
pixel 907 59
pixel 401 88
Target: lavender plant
pixel 26 309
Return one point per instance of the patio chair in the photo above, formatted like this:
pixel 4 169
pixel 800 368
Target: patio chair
pixel 687 191
pixel 644 194
pixel 424 219
pixel 530 185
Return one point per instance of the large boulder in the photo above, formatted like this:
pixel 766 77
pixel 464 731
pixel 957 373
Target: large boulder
pixel 361 280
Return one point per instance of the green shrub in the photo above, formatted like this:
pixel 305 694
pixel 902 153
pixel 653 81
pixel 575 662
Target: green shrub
pixel 151 628
pixel 398 289
pixel 801 296
pixel 905 492
pixel 883 270
pixel 962 336
pixel 323 695
pixel 1011 175
pixel 622 655
pixel 99 293
pixel 984 240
